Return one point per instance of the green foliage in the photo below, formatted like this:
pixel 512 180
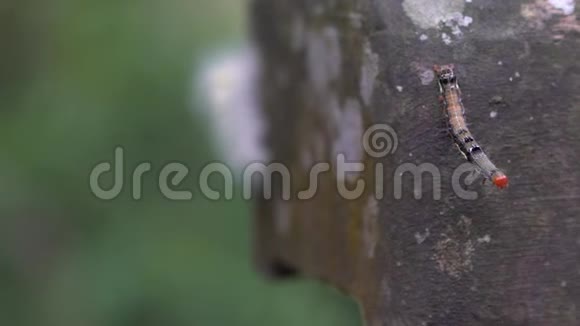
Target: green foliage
pixel 79 78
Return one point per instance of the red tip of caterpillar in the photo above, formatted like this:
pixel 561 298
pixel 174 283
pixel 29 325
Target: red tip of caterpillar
pixel 501 181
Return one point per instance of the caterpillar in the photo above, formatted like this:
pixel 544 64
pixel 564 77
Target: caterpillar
pixel 450 95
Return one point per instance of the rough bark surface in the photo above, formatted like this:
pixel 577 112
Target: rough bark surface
pixel 332 68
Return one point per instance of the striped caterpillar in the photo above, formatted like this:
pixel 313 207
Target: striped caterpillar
pixel 451 99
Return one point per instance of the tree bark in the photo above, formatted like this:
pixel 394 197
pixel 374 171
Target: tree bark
pixel 333 68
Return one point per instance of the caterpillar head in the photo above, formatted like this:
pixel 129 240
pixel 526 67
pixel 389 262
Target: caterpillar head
pixel 445 75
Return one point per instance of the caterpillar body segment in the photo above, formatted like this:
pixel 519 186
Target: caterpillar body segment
pixel 450 95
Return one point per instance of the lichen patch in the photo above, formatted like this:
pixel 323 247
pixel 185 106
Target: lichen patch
pixel 370 226
pixel 350 129
pixel 369 73
pixel 557 14
pixel 324 57
pixel 429 13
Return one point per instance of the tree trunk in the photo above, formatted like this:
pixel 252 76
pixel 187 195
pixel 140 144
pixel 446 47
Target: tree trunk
pixel 334 68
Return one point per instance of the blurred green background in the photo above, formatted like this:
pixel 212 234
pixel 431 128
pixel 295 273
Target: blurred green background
pixel 78 78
